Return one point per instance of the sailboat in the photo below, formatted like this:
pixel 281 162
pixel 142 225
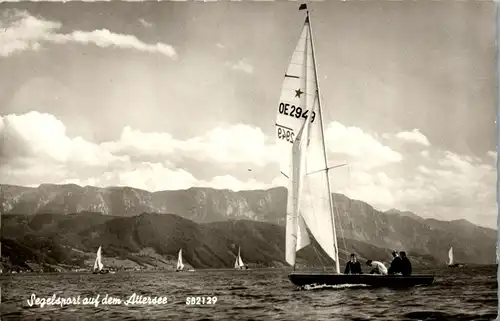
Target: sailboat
pixel 450 257
pixel 98 266
pixel 301 146
pixel 180 265
pixel 238 264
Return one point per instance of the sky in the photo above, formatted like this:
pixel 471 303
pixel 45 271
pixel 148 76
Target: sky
pixel 171 95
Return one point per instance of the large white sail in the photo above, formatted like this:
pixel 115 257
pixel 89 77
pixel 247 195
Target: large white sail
pixel 450 256
pixel 180 265
pixel 304 162
pixel 98 264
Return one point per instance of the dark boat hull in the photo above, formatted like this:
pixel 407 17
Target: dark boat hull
pixel 101 272
pixel 374 280
pixel 455 265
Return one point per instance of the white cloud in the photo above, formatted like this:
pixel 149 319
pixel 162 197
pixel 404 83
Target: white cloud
pixel 492 153
pixel 42 136
pixel 373 188
pixel 219 45
pixel 362 149
pixel 414 136
pixel 237 144
pixel 145 23
pixel 445 186
pixel 35 149
pixel 450 187
pixel 135 142
pixel 241 66
pixel 230 182
pixel 25 32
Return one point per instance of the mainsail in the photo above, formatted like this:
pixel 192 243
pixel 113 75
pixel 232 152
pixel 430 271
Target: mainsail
pixel 98 264
pixel 450 256
pixel 180 265
pixel 238 264
pixel 300 143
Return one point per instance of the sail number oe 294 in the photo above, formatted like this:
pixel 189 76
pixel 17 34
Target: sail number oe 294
pixel 294 111
pixel 286 109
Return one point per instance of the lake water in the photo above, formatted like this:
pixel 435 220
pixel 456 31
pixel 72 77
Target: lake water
pixel 458 294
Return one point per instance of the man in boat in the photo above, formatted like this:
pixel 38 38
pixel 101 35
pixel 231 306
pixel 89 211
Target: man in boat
pixel 353 266
pixel 377 267
pixel 395 267
pixel 405 264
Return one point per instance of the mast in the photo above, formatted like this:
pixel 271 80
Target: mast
pixel 337 267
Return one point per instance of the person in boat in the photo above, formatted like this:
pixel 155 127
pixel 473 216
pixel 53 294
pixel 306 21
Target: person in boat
pixel 395 267
pixel 353 266
pixel 405 264
pixel 377 267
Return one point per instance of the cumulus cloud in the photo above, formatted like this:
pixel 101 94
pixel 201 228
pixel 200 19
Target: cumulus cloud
pixel 414 136
pixel 220 145
pixel 145 23
pixel 241 66
pixel 236 144
pixel 22 31
pixel 451 186
pixel 362 149
pixel 230 182
pixel 43 136
pixel 35 149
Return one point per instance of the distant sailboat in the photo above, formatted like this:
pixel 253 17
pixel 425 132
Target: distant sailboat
pixel 303 160
pixel 98 266
pixel 450 257
pixel 238 264
pixel 180 265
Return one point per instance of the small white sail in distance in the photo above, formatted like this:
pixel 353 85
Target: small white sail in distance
pixel 303 162
pixel 450 256
pixel 180 265
pixel 239 262
pixel 98 264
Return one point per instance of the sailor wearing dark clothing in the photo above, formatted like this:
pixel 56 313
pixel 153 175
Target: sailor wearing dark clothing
pixel 353 266
pixel 395 267
pixel 405 264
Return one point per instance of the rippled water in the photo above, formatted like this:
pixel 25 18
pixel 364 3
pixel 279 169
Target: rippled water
pixel 458 294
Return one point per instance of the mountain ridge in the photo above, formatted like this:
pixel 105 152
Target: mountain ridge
pixel 355 220
pixel 152 240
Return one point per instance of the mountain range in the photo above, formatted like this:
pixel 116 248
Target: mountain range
pixel 72 221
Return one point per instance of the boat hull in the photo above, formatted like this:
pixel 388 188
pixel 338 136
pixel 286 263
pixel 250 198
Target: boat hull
pixel 455 265
pixel 101 272
pixel 374 280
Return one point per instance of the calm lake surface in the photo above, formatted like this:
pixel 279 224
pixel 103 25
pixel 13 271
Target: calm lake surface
pixel 458 294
